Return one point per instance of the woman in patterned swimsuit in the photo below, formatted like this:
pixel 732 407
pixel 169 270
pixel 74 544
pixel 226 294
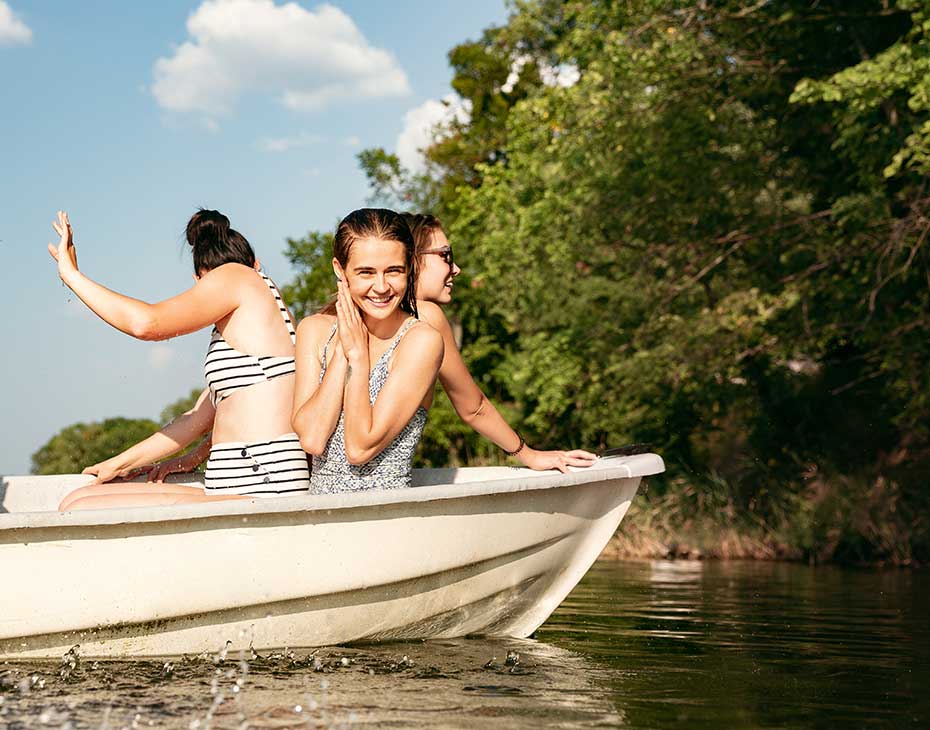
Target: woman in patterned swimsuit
pixel 365 366
pixel 247 404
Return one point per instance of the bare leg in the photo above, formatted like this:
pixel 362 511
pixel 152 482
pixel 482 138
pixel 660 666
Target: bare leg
pixel 101 496
pixel 124 488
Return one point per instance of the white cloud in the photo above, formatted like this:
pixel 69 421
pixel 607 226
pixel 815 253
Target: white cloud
pixel 160 356
pixel 283 144
pixel 426 123
pixel 306 58
pixel 13 31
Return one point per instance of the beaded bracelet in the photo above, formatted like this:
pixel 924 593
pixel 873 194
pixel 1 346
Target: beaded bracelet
pixel 519 446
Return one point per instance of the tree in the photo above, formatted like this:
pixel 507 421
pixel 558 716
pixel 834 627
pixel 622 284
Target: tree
pixel 315 282
pixel 708 233
pixel 182 405
pixel 84 444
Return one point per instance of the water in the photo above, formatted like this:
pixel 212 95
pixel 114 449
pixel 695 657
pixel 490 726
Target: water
pixel 637 645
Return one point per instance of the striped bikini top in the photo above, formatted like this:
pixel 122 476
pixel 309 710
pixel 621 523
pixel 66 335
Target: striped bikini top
pixel 228 369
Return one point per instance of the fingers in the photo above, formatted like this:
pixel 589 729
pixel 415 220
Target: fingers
pixel 581 454
pixel 90 469
pixel 53 250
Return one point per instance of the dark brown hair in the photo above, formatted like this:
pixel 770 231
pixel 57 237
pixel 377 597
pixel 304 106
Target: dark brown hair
pixel 213 243
pixel 383 224
pixel 422 226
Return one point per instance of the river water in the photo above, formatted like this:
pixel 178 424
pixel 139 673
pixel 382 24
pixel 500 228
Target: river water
pixel 636 645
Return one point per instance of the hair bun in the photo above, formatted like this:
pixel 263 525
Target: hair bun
pixel 207 226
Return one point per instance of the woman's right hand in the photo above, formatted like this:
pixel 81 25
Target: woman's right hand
pixel 64 253
pixel 353 334
pixel 110 470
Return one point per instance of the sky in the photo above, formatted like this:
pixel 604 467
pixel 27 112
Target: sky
pixel 130 116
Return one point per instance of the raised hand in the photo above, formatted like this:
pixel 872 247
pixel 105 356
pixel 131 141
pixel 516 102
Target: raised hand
pixel 353 334
pixel 64 253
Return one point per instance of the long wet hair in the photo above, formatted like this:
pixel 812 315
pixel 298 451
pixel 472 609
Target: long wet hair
pixel 383 224
pixel 422 226
pixel 214 243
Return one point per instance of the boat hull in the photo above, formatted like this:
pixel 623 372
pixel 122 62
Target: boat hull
pixel 451 563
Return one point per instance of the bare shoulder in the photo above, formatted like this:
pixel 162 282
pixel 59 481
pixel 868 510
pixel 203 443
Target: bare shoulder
pixel 432 314
pixel 423 339
pixel 232 279
pixel 316 327
pixel 231 272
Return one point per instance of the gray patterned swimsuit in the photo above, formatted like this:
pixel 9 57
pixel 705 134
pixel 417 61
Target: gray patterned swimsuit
pixel 390 469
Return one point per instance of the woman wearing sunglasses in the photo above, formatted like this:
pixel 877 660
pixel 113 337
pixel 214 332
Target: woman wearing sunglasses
pixel 436 272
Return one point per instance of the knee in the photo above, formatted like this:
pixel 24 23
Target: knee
pixel 75 501
pixel 70 498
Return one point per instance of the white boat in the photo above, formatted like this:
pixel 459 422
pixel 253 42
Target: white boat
pixel 490 551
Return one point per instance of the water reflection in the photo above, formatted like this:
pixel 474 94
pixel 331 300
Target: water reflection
pixel 755 644
pixel 638 645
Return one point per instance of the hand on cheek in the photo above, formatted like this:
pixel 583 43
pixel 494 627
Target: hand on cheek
pixel 353 334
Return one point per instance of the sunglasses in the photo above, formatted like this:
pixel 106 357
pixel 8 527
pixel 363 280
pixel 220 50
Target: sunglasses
pixel 446 254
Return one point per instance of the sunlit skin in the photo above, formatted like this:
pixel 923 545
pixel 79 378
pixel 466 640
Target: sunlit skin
pixel 434 287
pixel 234 299
pixel 435 277
pixel 376 279
pixel 371 288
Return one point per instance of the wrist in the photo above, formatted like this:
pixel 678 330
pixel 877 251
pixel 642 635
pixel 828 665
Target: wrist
pixel 69 277
pixel 357 360
pixel 520 446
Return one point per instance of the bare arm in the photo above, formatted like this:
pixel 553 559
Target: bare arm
pixel 182 464
pixel 369 429
pixel 178 434
pixel 317 405
pixel 209 300
pixel 477 411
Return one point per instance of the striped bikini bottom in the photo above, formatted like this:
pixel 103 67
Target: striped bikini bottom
pixel 261 469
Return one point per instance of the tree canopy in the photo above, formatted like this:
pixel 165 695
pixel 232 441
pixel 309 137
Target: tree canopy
pixel 702 225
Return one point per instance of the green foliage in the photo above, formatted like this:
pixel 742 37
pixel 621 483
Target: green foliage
pixel 714 241
pixel 84 444
pixel 180 406
pixel 315 283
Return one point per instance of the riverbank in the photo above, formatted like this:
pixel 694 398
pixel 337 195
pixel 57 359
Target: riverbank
pixel 836 524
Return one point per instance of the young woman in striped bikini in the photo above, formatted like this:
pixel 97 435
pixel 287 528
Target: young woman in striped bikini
pixel 436 271
pixel 247 404
pixel 365 365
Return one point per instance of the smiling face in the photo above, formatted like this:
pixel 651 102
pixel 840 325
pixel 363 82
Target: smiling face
pixel 434 277
pixel 376 273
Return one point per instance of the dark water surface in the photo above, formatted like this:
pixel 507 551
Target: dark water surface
pixel 637 645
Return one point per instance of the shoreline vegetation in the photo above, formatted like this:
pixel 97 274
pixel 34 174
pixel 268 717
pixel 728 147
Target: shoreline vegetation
pixel 702 226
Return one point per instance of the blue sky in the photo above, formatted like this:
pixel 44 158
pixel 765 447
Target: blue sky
pixel 131 115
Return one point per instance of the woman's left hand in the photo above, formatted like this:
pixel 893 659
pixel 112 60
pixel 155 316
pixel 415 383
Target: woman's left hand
pixel 353 334
pixel 64 253
pixel 561 460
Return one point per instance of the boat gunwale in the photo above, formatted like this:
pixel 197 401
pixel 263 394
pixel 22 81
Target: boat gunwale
pixel 606 469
